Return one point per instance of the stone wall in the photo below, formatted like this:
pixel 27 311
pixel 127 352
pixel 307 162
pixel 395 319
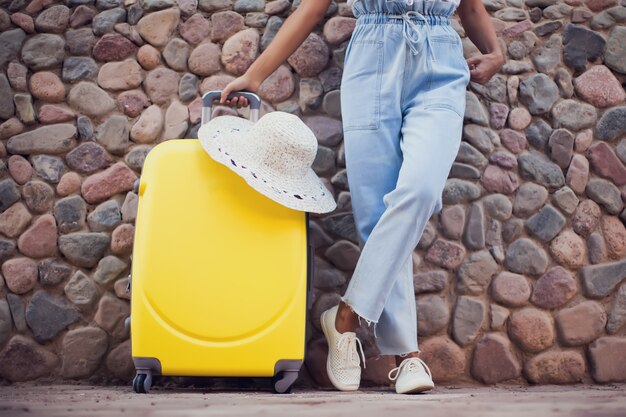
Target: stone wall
pixel 519 278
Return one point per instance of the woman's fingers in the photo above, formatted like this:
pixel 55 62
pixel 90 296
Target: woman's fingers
pixel 237 101
pixel 483 67
pixel 239 84
pixel 225 92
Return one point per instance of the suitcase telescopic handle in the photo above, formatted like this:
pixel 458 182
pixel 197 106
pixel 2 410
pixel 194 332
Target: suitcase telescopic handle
pixel 209 97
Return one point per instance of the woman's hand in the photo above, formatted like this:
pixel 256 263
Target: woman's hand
pixel 479 28
pixel 243 83
pixel 483 67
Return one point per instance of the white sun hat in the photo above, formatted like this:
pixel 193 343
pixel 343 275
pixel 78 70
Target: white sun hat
pixel 273 155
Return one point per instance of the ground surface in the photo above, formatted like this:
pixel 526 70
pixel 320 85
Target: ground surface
pixel 92 401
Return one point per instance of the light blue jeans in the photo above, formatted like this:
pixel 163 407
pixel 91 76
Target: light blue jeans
pixel 402 103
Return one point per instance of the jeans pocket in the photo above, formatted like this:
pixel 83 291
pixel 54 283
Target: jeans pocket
pixel 361 84
pixel 450 45
pixel 449 75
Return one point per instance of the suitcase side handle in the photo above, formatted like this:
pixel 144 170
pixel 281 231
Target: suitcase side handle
pixel 209 97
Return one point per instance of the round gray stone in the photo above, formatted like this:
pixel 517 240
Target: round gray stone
pixel 538 132
pixel 460 191
pixel 54 19
pixel 529 198
pixel 432 315
pixel 43 51
pixel 80 41
pixel 324 162
pixel 84 249
pixel 474 111
pixel 176 53
pixel 83 350
pixel 475 273
pixel 70 213
pixel 535 166
pixel 53 272
pixel 105 22
pixel 84 127
pixel 548 56
pixel 81 290
pixel 7 248
pixel 9 194
pixel 10 44
pixel 606 194
pixel 6 323
pixel 38 196
pixel 274 23
pixel 152 5
pixel 469 314
pixel 615 52
pixel 611 125
pixel 52 139
pixel 464 171
pixel 114 134
pixel 79 69
pixel 188 87
pixel 134 14
pixel 574 115
pixel 581 45
pixel 498 206
pixel 546 224
pixel 525 257
pixel 470 155
pixel 49 168
pixel 539 93
pixel 566 199
pixel 136 157
pixel 47 315
pixel 108 4
pixel 18 312
pixel 482 138
pixel 7 106
pixel 105 217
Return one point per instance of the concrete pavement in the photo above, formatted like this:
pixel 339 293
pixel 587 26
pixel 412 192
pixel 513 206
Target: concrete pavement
pixel 510 401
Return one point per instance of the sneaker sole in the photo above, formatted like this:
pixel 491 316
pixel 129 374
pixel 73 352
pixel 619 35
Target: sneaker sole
pixel 417 389
pixel 337 384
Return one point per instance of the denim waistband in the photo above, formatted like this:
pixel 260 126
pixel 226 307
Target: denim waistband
pixel 438 10
pixel 392 18
pixel 415 24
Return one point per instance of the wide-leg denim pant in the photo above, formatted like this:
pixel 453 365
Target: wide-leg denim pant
pixel 402 103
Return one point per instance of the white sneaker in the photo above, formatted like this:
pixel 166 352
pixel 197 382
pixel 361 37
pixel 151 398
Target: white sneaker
pixel 343 364
pixel 412 376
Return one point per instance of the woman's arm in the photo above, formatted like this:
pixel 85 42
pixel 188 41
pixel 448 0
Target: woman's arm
pixel 292 33
pixel 479 29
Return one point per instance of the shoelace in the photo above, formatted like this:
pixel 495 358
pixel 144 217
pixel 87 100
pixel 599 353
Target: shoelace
pixel 412 31
pixel 411 365
pixel 347 340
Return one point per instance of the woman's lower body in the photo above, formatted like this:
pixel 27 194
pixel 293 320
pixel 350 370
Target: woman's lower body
pixel 403 100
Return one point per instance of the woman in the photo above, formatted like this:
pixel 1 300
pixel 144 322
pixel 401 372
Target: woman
pixel 402 104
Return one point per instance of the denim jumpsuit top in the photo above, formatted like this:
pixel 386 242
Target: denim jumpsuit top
pixel 402 102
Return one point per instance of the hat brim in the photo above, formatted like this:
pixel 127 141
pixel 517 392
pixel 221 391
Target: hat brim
pixel 223 138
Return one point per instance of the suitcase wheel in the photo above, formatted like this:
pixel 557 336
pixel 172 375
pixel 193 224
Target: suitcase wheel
pixel 282 382
pixel 142 383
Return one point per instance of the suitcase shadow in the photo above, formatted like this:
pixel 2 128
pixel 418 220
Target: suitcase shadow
pixel 177 385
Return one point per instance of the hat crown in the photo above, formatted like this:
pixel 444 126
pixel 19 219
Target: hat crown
pixel 283 144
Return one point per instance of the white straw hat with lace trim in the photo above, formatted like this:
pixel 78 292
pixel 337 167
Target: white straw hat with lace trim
pixel 273 155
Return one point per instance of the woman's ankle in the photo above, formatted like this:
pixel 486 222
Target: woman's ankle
pixel 346 320
pixel 400 358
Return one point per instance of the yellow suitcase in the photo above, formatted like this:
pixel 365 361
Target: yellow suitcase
pixel 220 273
